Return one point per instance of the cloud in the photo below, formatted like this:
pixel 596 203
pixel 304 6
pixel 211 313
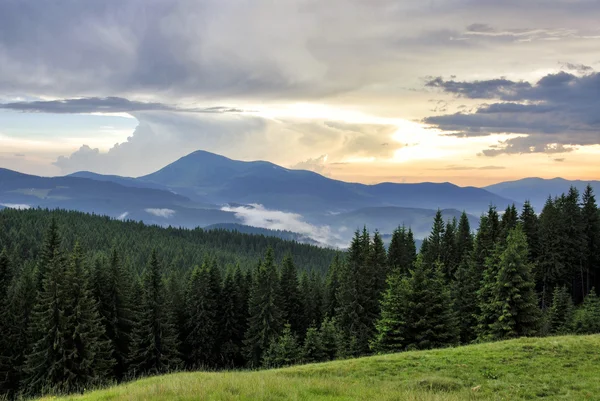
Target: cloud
pixel 165 213
pixel 168 136
pixel 103 105
pixel 556 114
pixel 258 216
pixel 318 165
pixel 466 168
pixel 124 215
pixel 19 206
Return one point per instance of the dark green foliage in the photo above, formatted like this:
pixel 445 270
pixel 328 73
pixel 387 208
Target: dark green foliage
pixel 379 268
pixel 88 359
pixel 265 320
pixel 391 327
pixel 203 296
pixel 464 294
pixel 529 223
pixel 551 268
pixel 450 257
pixel 591 228
pixel 291 300
pixel 509 221
pixel 283 350
pixel 434 249
pixel 111 287
pixel 560 314
pixel 312 349
pixel 330 338
pixel 514 298
pixel 402 251
pixel 587 316
pixel 426 318
pixel 332 285
pixel 464 238
pixel 154 347
pixel 233 317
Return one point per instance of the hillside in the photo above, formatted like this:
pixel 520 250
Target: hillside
pixel 553 368
pixel 537 190
pixel 21 231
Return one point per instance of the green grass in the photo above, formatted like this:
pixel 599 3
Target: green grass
pixel 554 368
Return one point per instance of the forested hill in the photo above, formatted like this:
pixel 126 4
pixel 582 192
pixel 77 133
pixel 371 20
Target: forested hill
pixel 22 231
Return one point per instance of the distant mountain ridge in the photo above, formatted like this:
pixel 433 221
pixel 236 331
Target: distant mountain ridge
pixel 204 189
pixel 537 190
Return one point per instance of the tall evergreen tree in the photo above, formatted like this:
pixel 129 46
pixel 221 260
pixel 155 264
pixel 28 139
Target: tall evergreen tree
pixel 50 250
pixel 379 269
pixel 551 268
pixel 464 238
pixel 434 249
pixel 283 350
pixel 402 251
pixel 530 224
pixel 591 227
pixel 232 319
pixel 464 295
pixel 573 242
pixel 265 321
pixel 203 325
pixel 45 365
pixel 15 341
pixel 113 292
pixel 312 348
pixel 509 221
pixel 561 312
pixel 332 285
pixel 88 359
pixel 291 300
pixel 391 327
pixel 154 345
pixel 515 299
pixel 450 258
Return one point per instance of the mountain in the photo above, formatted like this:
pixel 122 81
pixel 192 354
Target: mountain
pixel 387 219
pixel 216 179
pixel 537 190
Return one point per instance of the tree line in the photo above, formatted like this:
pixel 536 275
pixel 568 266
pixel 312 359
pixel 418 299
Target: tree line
pixel 73 320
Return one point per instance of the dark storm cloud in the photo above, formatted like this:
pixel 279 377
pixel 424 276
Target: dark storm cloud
pixel 556 113
pixel 103 105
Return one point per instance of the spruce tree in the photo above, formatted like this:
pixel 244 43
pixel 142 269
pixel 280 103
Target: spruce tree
pixel 434 249
pixel 116 299
pixel 50 249
pixel 560 316
pixel 449 257
pixel 203 318
pixel 515 300
pixel 391 327
pixel 312 349
pixel 232 319
pixel 16 341
pixel 464 295
pixel 45 365
pixel 551 270
pixel 464 238
pixel 88 359
pixel 402 251
pixel 591 227
pixel 332 285
pixel 291 300
pixel 352 316
pixel 283 350
pixel 379 270
pixel 530 224
pixel 154 346
pixel 330 338
pixel 509 221
pixel 587 316
pixel 264 321
pixel 429 319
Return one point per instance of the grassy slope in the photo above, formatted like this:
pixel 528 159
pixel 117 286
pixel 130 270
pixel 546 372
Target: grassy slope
pixel 556 368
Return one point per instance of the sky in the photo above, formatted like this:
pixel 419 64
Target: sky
pixel 472 92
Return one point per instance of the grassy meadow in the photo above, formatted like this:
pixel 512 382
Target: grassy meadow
pixel 553 368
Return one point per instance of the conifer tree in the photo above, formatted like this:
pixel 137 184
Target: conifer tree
pixel 464 295
pixel 312 349
pixel 434 249
pixel 573 243
pixel 202 325
pixel 50 250
pixel 291 302
pixel 113 293
pixel 402 251
pixel 283 350
pixel 561 312
pixel 464 238
pixel 587 316
pixel 429 319
pixel 515 300
pixel 46 362
pixel 330 338
pixel 332 285
pixel 530 224
pixel 88 359
pixel 591 227
pixel 509 221
pixel 232 319
pixel 391 327
pixel 352 315
pixel 449 257
pixel 378 267
pixel 154 345
pixel 264 322
pixel 551 268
